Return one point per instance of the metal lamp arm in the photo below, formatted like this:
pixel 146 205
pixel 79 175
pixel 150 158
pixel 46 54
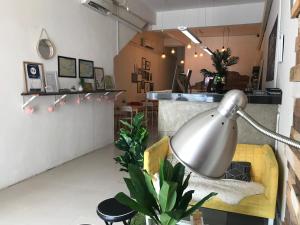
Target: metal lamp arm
pixel 266 131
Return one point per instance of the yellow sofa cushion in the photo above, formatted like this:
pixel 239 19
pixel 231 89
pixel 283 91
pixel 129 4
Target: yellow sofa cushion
pixel 264 170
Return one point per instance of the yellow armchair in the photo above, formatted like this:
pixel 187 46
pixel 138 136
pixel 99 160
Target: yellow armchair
pixel 264 170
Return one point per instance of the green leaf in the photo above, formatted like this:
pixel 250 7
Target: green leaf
pixel 125 200
pixel 185 200
pixel 166 219
pixel 198 204
pixel 167 196
pixel 126 124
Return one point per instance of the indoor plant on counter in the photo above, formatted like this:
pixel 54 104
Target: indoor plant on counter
pixel 221 61
pixel 166 204
pixel 133 142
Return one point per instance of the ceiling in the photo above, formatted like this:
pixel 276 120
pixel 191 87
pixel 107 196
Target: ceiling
pixel 166 5
pixel 236 30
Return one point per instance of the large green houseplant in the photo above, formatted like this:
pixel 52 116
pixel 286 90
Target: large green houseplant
pixel 221 61
pixel 133 142
pixel 170 204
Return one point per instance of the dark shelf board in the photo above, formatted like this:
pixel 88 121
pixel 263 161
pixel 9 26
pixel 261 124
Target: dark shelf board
pixel 70 93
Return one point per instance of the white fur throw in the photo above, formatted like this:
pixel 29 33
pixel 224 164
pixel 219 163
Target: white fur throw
pixel 229 191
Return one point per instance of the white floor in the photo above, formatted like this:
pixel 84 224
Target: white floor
pixel 66 195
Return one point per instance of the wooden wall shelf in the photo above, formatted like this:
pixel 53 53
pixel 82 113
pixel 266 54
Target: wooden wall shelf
pixel 62 95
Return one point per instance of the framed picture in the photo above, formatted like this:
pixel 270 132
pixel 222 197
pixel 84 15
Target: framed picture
pixel 134 77
pixel 66 67
pixel 109 82
pixel 99 78
pixel 272 53
pixel 147 65
pixel 51 81
pixel 143 63
pixel 147 87
pixel 150 76
pixel 86 69
pixel 139 87
pixel 151 86
pixel 34 77
pixel 295 8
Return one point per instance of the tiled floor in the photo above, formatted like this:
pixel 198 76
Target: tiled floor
pixel 66 195
pixel 69 194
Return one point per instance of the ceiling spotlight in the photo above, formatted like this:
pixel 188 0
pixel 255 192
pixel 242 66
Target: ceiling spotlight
pixel 173 51
pixel 182 62
pixel 196 55
pixel 189 46
pixel 163 55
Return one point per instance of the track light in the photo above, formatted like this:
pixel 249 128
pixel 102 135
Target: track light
pixel 208 51
pixel 191 36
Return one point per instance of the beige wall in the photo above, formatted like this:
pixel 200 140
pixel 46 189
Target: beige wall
pixel 161 69
pixel 243 46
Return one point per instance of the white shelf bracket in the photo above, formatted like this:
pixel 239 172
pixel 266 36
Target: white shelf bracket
pixel 119 93
pixel 87 95
pixel 26 103
pixel 59 100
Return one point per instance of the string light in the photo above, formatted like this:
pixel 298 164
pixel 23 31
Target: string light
pixel 189 46
pixel 173 51
pixel 201 54
pixel 196 55
pixel 182 62
pixel 163 55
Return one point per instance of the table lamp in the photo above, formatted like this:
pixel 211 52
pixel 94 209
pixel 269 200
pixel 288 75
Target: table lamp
pixel 206 143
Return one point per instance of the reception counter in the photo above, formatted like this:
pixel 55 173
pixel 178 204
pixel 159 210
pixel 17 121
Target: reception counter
pixel 177 108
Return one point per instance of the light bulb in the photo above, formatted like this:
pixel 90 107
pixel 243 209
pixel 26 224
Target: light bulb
pixel 182 61
pixel 173 51
pixel 189 46
pixel 201 54
pixel 223 49
pixel 196 55
pixel 163 56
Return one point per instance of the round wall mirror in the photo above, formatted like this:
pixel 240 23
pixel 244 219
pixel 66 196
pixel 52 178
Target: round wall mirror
pixel 46 49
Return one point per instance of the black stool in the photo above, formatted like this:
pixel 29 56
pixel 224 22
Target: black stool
pixel 110 210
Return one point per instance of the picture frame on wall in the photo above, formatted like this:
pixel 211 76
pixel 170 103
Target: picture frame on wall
pixel 151 86
pixel 51 81
pixel 147 65
pixel 66 67
pixel 99 78
pixel 139 87
pixel 147 87
pixel 134 77
pixel 295 8
pixel 271 64
pixel 143 63
pixel 86 69
pixel 34 77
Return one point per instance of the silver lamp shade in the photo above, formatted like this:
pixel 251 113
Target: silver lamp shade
pixel 206 144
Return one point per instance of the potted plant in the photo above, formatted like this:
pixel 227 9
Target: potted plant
pixel 221 61
pixel 165 206
pixel 133 142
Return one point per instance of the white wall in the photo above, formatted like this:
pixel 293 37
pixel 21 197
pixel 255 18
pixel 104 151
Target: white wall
pixel 32 144
pixel 211 16
pixel 291 90
pixel 243 46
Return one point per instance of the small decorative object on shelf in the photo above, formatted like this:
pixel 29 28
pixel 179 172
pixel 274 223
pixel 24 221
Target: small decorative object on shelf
pixel 99 78
pixel 51 81
pixel 86 69
pixel 34 77
pixel 109 82
pixel 66 67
